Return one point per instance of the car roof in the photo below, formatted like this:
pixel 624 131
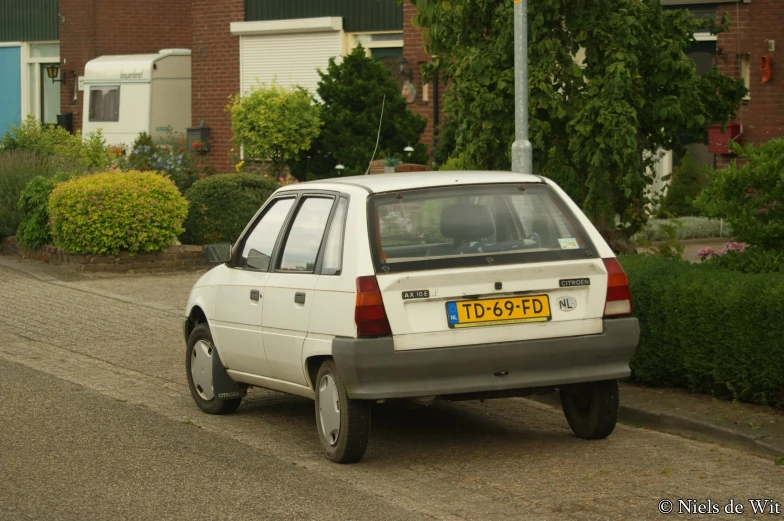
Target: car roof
pixel 380 183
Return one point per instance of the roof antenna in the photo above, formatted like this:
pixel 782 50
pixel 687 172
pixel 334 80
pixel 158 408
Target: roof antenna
pixel 378 137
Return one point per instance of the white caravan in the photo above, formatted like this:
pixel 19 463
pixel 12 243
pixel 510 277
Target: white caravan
pixel 129 94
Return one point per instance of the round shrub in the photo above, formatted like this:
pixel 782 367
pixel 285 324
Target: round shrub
pixel 221 205
pixel 109 212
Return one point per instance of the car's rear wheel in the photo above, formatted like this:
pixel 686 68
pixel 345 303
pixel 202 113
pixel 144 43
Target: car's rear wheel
pixel 591 408
pixel 198 367
pixel 343 424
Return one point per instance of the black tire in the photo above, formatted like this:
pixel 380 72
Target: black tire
pixel 591 408
pixel 214 405
pixel 352 440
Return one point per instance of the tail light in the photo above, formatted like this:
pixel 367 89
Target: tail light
pixel 369 313
pixel 619 298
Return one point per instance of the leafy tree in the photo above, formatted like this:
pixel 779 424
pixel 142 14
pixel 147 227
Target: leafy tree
pixel 352 92
pixel 595 125
pixel 272 122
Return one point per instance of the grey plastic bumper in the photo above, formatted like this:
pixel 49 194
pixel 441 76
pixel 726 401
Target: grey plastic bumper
pixel 372 369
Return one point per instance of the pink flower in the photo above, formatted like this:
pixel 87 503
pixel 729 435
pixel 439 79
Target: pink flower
pixel 281 179
pixel 705 253
pixel 95 198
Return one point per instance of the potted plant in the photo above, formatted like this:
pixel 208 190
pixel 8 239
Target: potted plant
pixel 390 162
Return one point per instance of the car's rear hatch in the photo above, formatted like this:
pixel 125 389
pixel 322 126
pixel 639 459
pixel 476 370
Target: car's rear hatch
pixel 477 264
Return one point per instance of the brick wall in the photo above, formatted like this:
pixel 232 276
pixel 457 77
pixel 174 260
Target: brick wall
pixel 216 72
pixel 92 28
pixel 762 116
pixel 414 53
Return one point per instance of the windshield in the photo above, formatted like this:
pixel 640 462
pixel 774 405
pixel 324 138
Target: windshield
pixel 436 227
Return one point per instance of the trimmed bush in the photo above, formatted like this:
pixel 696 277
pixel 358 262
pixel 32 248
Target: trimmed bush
pixel 456 163
pixel 33 231
pixel 220 206
pixel 708 329
pixel 685 185
pixel 17 168
pixel 109 212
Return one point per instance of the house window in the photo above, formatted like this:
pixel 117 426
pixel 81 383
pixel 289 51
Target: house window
pixel 105 103
pixel 745 73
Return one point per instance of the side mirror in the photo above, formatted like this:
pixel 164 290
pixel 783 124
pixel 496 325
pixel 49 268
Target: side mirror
pixel 218 253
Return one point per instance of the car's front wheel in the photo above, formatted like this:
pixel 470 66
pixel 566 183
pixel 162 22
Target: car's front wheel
pixel 343 424
pixel 591 408
pixel 198 367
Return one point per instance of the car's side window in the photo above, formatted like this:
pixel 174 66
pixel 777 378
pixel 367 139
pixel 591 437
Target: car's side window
pixel 304 238
pixel 333 251
pixel 257 250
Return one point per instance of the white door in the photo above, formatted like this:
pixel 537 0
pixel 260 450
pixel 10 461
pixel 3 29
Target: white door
pixel 240 294
pixel 289 290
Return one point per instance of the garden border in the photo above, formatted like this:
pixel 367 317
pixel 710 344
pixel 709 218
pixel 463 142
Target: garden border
pixel 173 258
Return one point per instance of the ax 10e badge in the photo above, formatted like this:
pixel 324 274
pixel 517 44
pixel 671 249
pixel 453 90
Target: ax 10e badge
pixel 417 293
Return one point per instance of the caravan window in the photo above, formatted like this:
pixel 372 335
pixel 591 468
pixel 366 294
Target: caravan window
pixel 105 103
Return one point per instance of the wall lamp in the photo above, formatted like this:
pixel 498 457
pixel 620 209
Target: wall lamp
pixel 404 70
pixel 53 71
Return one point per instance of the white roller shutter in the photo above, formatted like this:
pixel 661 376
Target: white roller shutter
pixel 289 59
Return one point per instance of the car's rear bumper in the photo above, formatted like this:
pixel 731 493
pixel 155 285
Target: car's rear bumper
pixel 372 369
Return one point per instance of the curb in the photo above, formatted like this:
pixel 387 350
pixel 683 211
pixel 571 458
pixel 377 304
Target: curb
pixel 675 424
pixel 16 266
pixel 55 281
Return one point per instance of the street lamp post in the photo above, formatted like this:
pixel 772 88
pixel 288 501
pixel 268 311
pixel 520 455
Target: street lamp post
pixel 522 151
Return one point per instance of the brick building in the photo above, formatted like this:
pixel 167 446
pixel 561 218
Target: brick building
pixel 757 31
pixel 757 34
pixel 235 42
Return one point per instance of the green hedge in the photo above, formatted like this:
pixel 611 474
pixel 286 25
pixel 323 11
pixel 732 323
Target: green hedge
pixel 708 329
pixel 221 205
pixel 17 168
pixel 109 212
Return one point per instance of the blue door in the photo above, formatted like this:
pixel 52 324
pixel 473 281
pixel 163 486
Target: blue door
pixel 10 87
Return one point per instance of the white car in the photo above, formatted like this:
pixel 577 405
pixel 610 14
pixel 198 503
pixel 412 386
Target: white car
pixel 449 285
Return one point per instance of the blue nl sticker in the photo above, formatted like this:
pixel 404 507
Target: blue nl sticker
pixel 451 311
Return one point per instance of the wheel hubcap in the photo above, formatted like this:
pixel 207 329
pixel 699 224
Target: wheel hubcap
pixel 201 369
pixel 329 409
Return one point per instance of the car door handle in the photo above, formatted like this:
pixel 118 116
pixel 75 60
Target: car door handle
pixel 255 295
pixel 299 298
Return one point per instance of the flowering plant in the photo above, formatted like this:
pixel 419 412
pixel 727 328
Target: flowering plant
pixel 709 253
pixel 746 259
pixel 173 160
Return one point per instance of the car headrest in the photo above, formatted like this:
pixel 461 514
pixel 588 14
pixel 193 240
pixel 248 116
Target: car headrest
pixel 467 221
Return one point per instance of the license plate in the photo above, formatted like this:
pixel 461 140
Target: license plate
pixel 490 312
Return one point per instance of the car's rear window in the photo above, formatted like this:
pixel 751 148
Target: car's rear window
pixel 473 225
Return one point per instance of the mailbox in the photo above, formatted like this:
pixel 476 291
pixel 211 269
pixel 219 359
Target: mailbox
pixel 718 141
pixel 200 136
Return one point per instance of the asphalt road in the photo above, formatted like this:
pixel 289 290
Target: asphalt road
pixel 97 423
